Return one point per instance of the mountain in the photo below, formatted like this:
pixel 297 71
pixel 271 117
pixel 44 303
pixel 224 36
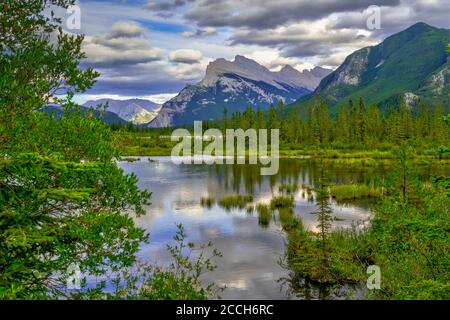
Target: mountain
pixel 136 111
pixel 412 65
pixel 107 117
pixel 235 85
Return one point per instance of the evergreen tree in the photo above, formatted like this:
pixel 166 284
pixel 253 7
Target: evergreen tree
pixel 281 118
pixel 225 119
pixel 405 122
pixel 342 126
pixel 375 125
pixel 324 213
pixel 260 122
pixel 272 122
pixel 360 122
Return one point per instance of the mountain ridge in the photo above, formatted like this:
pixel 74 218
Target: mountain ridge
pixel 395 69
pixel 235 85
pixel 136 111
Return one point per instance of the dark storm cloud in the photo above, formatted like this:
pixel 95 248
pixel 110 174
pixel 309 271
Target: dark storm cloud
pixel 266 14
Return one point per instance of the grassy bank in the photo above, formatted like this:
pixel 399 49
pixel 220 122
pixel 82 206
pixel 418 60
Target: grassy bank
pixel 408 239
pixel 354 191
pixel 158 143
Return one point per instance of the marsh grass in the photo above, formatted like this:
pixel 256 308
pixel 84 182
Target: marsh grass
pixel 354 191
pixel 287 218
pixel 207 202
pixel 282 202
pixel 235 201
pixel 130 159
pixel 265 214
pixel 288 187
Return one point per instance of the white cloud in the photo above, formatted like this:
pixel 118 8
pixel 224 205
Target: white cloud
pixel 104 52
pixel 126 30
pixel 186 56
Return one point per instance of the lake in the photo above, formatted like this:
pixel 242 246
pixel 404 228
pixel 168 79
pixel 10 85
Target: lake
pixel 250 266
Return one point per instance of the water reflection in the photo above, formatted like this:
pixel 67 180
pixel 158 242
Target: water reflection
pixel 251 249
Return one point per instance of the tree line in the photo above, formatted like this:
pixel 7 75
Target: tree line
pixel 354 125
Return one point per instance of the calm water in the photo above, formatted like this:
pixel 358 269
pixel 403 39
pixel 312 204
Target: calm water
pixel 249 267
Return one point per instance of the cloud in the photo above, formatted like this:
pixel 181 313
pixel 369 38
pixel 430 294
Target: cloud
pixel 131 66
pixel 165 15
pixel 186 56
pixel 265 14
pixel 301 33
pixel 208 31
pixel 126 30
pixel 305 39
pixel 109 50
pixel 165 5
pixel 320 30
pixel 188 72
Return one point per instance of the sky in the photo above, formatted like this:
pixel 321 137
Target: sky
pixel 152 49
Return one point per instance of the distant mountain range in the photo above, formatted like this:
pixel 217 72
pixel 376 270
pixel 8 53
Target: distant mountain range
pixel 106 116
pixel 235 85
pixel 136 111
pixel 412 65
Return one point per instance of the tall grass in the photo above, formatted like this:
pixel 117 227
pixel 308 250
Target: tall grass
pixel 207 202
pixel 235 201
pixel 354 191
pixel 288 187
pixel 282 202
pixel 265 214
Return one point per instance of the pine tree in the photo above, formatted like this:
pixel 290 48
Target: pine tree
pixel 323 122
pixel 293 128
pixel 260 122
pixel 324 212
pixel 281 118
pixel 247 118
pixel 360 122
pixel 439 128
pixel 342 126
pixel 272 122
pixel 225 119
pixel 375 125
pixel 405 122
